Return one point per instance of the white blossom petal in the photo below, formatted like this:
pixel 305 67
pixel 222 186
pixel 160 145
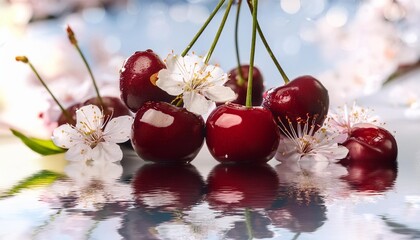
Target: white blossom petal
pixel 215 74
pixel 65 136
pixel 196 103
pixel 79 152
pixel 168 82
pixel 220 94
pixel 108 152
pixel 89 118
pixel 118 129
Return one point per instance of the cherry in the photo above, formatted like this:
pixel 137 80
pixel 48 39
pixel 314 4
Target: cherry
pixel 62 119
pixel 236 133
pixel 241 186
pixel 299 211
pixel 241 88
pixel 114 107
pixel 304 98
pixel 372 180
pixel 136 77
pixel 162 132
pixel 167 186
pixel 370 146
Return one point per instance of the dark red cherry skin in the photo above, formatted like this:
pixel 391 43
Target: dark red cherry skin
pixel 301 98
pixel 62 119
pixel 370 146
pixel 241 89
pixel 168 186
pixel 135 84
pixel 232 186
pixel 236 133
pixel 112 106
pixel 162 132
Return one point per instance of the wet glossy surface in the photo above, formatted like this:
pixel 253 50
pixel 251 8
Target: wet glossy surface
pixel 49 198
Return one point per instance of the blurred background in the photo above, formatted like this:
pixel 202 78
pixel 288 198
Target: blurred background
pixel 352 46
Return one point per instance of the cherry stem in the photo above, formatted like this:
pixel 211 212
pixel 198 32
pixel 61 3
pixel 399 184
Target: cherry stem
pixel 198 34
pixel 219 31
pixel 248 224
pixel 241 79
pixel 24 59
pixel 73 41
pixel 248 101
pixel 269 51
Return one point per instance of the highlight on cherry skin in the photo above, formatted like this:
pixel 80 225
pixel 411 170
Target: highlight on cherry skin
pixel 303 98
pixel 162 132
pixel 137 77
pixel 370 146
pixel 240 86
pixel 235 133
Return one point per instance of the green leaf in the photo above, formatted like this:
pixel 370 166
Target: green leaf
pixel 41 146
pixel 39 179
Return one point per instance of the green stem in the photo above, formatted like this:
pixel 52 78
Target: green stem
pixel 269 51
pixel 248 101
pixel 91 75
pixel 248 224
pixel 198 34
pixel 219 31
pixel 241 79
pixel 63 110
pixel 296 236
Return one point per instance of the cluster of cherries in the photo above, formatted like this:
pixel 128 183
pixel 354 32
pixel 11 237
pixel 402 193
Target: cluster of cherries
pixel 234 133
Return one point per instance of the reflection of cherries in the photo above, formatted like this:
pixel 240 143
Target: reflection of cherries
pixel 242 185
pixel 241 89
pixel 300 210
pixel 301 98
pixel 371 179
pixel 258 224
pixel 166 186
pixel 370 146
pixel 236 133
pixel 136 77
pixel 162 132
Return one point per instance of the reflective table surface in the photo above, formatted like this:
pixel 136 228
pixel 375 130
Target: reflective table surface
pixel 49 198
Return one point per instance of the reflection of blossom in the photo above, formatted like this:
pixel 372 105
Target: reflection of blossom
pixel 91 185
pixel 307 176
pixel 89 139
pixel 306 144
pixel 344 119
pixel 201 222
pixel 199 84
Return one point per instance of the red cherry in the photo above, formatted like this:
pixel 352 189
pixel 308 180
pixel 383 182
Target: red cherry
pixel 135 80
pixel 370 146
pixel 241 90
pixel 299 211
pixel 242 186
pixel 62 119
pixel 166 186
pixel 162 132
pixel 113 108
pixel 303 98
pixel 236 133
pixel 371 180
